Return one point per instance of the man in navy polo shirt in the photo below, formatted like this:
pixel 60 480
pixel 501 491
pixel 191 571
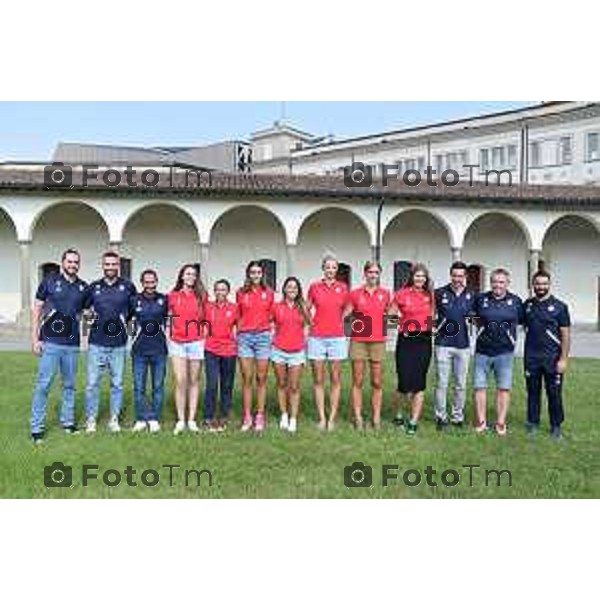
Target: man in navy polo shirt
pixel 109 300
pixel 547 346
pixel 454 305
pixel 498 313
pixel 149 352
pixel 55 339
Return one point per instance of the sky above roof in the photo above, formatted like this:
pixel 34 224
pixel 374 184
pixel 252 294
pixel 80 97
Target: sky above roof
pixel 31 130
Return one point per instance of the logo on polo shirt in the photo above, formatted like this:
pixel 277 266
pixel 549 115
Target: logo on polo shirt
pixel 468 296
pixel 121 288
pixel 58 287
pixel 509 302
pixel 161 301
pixel 228 313
pixel 264 295
pixel 551 308
pixel 338 289
pixel 380 297
pixel 98 290
pixel 81 287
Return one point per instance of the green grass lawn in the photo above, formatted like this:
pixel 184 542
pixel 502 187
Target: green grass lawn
pixel 310 464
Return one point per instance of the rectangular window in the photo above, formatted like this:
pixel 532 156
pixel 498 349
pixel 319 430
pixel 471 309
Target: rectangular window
pixel 498 157
pixel 439 164
pixel 564 151
pixel 535 157
pixel 421 164
pixel 512 156
pixel 484 159
pixel 592 146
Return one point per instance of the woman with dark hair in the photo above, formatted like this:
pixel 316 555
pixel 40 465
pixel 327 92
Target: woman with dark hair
pixel 415 305
pixel 186 344
pixel 220 355
pixel 291 320
pixel 254 300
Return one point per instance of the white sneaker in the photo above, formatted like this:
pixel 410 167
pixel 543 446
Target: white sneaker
pixel 90 425
pixel 193 426
pixel 292 425
pixel 139 426
pixel 179 427
pixel 284 421
pixel 154 426
pixel 113 424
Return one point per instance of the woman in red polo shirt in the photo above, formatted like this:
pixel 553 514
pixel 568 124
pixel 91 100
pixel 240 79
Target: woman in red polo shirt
pixel 327 299
pixel 288 355
pixel 415 305
pixel 220 355
pixel 368 307
pixel 254 301
pixel 186 344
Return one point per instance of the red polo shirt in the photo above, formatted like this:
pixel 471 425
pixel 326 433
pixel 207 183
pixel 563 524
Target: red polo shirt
pixel 289 327
pixel 255 309
pixel 329 301
pixel 414 305
pixel 186 317
pixel 373 305
pixel 222 318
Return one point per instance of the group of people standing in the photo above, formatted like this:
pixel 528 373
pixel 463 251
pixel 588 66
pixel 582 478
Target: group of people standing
pixel 326 326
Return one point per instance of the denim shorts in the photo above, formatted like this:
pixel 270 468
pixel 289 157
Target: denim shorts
pixel 254 344
pixel 332 348
pixel 291 359
pixel 189 350
pixel 501 366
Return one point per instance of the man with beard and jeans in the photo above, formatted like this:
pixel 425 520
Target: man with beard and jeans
pixel 55 339
pixel 109 299
pixel 547 345
pixel 454 305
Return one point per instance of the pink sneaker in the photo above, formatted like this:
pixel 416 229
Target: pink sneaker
pixel 259 422
pixel 247 422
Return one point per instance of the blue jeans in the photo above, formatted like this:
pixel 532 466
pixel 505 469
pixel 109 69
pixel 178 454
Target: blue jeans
pixel 158 368
pixel 501 366
pixel 220 373
pixel 112 359
pixel 55 357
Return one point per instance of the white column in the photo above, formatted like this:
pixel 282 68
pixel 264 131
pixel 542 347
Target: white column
pixel 534 260
pixel 114 246
pixel 291 260
pixel 204 257
pixel 25 273
pixel 456 253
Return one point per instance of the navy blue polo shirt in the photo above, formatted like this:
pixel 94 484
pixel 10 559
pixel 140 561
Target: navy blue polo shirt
pixel 497 323
pixel 112 304
pixel 543 320
pixel 452 312
pixel 150 312
pixel 63 303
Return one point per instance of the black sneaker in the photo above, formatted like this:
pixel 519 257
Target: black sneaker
pixel 37 438
pixel 398 421
pixel 457 424
pixel 71 429
pixel 532 428
pixel 411 428
pixel 441 424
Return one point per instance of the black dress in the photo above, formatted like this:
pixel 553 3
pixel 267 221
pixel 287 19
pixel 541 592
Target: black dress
pixel 413 357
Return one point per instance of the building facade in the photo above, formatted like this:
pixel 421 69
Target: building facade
pixel 295 207
pixel 289 222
